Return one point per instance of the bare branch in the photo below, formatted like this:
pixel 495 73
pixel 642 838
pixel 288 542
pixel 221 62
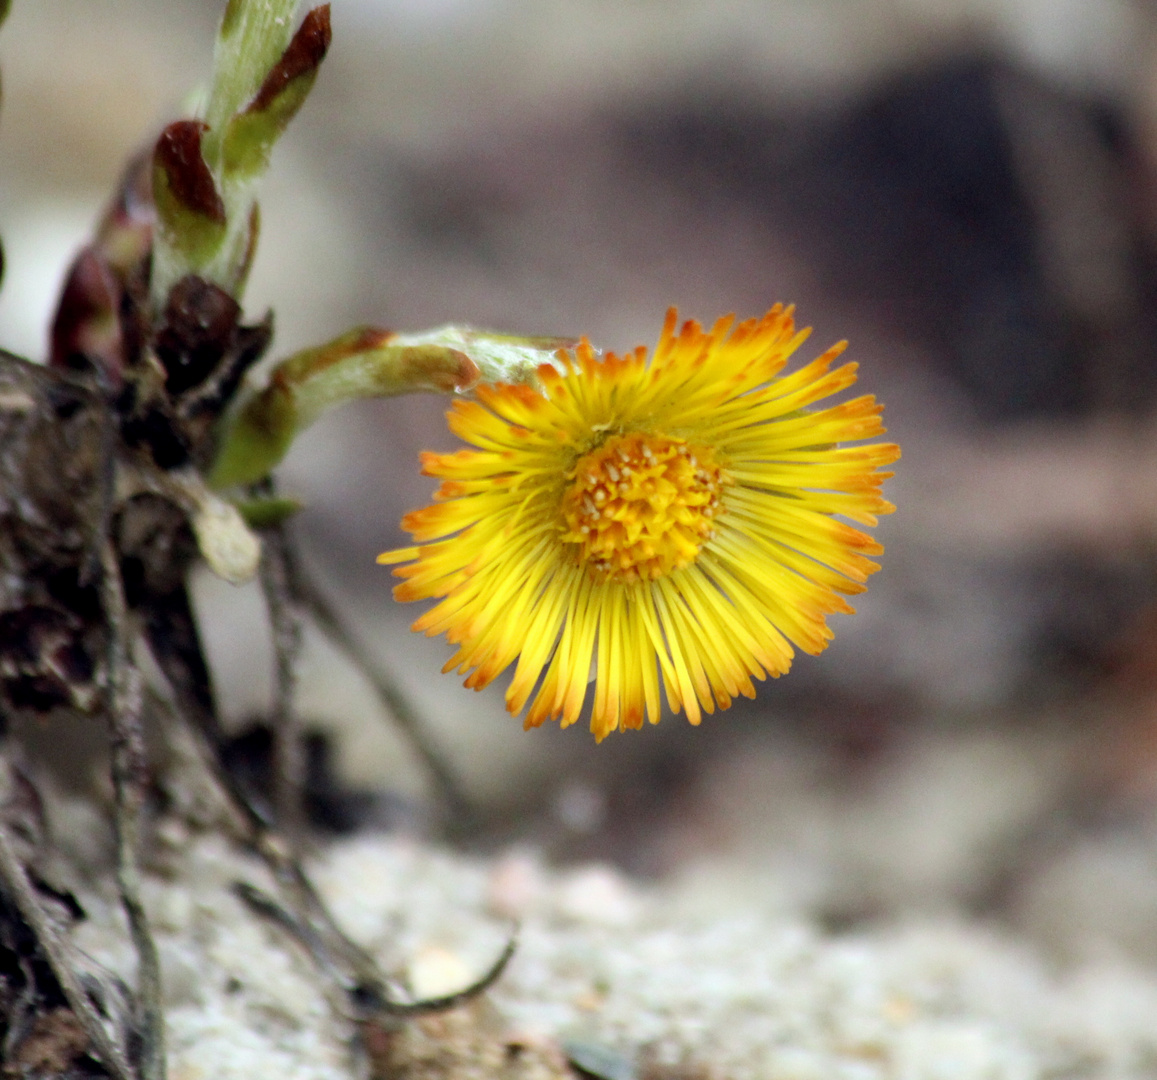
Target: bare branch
pixel 447 787
pixel 130 776
pixel 376 1003
pixel 285 626
pixel 368 994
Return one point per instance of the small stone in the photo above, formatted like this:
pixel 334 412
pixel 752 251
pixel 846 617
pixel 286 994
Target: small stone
pixel 597 894
pixel 515 885
pixel 437 972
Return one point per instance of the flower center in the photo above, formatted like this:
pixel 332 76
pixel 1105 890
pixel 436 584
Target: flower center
pixel 641 505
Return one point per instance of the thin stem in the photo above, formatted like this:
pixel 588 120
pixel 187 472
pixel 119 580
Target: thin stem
pixel 288 762
pixel 311 909
pixel 130 777
pixel 368 993
pixel 276 850
pixel 303 932
pixel 448 789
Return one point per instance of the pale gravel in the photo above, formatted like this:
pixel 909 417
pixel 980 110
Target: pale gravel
pixel 657 973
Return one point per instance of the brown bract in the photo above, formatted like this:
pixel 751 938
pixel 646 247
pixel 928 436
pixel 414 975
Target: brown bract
pixel 178 155
pixel 87 320
pixel 303 56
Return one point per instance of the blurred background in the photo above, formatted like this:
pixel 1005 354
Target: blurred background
pixel 966 189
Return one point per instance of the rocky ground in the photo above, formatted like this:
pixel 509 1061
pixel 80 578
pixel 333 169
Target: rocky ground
pixel 681 979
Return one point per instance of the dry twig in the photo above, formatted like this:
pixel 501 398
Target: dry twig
pixel 448 788
pixel 130 775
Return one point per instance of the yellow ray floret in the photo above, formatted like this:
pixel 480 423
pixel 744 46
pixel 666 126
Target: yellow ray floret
pixel 667 526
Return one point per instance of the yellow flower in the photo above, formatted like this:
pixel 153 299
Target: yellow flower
pixel 636 523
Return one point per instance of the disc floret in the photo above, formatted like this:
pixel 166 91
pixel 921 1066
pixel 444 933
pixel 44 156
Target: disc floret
pixel 641 505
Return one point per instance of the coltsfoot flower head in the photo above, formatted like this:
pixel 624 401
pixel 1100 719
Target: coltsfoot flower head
pixel 641 523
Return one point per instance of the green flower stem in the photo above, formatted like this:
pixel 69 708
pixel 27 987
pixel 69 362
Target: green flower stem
pixel 365 363
pixel 253 35
pixel 267 512
pixel 251 40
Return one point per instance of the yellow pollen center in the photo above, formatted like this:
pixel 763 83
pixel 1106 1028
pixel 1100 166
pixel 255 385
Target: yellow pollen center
pixel 641 506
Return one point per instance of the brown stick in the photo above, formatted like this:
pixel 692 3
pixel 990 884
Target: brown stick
pixel 130 777
pixel 447 787
pixel 288 762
